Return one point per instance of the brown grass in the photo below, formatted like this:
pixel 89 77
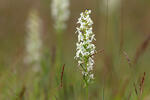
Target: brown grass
pixel 142 83
pixel 21 94
pixel 62 73
pixel 141 49
pixel 127 58
pixel 136 92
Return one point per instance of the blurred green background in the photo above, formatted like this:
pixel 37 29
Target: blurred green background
pixel 122 30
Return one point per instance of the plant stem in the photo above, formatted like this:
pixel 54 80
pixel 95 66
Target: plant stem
pixel 87 93
pixel 59 36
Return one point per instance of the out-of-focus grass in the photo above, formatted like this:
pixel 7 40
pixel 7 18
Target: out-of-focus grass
pixel 114 78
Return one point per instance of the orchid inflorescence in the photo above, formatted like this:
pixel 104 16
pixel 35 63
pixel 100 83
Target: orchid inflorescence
pixel 60 13
pixel 85 47
pixel 33 40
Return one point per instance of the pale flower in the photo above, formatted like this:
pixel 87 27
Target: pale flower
pixel 85 47
pixel 33 40
pixel 60 13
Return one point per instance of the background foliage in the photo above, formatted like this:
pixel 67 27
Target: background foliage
pixel 124 34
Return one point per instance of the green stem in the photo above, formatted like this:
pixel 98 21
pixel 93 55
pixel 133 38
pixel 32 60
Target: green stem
pixel 87 93
pixel 86 81
pixel 59 36
pixel 58 58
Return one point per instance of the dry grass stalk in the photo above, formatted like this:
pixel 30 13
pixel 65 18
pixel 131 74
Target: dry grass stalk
pixel 99 51
pixel 127 58
pixel 142 83
pixel 135 89
pixel 62 73
pixel 141 49
pixel 21 94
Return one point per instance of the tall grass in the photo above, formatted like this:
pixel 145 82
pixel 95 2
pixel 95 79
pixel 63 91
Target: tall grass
pixel 120 73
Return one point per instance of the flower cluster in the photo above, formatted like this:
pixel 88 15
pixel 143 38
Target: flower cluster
pixel 60 13
pixel 33 40
pixel 85 47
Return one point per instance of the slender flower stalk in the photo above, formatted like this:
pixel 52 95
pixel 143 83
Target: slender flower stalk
pixel 33 40
pixel 60 13
pixel 85 47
